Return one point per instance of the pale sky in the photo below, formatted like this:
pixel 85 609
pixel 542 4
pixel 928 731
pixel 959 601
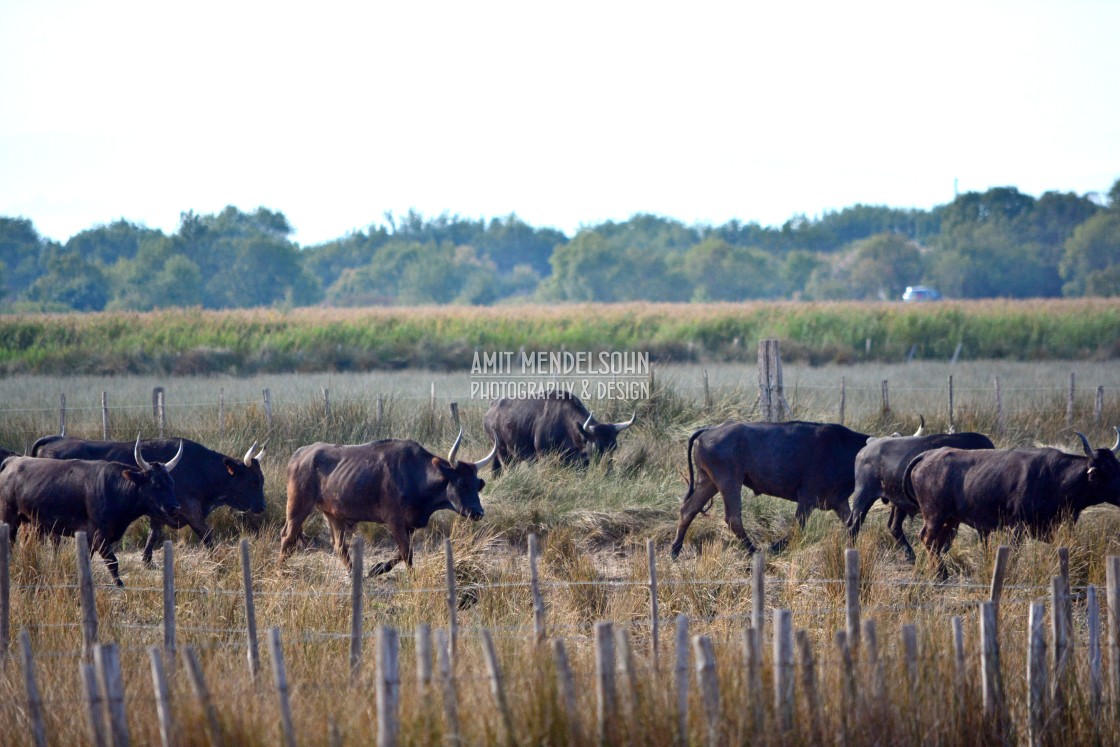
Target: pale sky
pixel 566 114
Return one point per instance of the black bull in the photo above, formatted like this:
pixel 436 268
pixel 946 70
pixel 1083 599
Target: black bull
pixel 101 498
pixel 394 482
pixel 206 480
pixel 810 463
pixel 879 469
pixel 1030 490
pixel 524 429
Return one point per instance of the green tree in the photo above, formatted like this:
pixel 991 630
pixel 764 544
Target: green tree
pixel 156 278
pixel 1091 264
pixel 70 282
pixel 720 271
pixel 110 243
pixel 22 252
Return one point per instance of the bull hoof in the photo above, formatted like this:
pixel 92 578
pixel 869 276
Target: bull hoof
pixel 779 545
pixel 379 568
pixel 674 552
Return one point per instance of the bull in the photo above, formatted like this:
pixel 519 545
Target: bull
pixel 809 463
pixel 879 469
pixel 525 429
pixel 1028 490
pixel 394 482
pixel 208 479
pixel 98 497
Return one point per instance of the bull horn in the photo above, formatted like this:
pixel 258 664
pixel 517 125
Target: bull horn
pixel 921 426
pixel 175 459
pixel 1085 443
pixel 627 424
pixel 248 458
pixel 587 423
pixel 455 447
pixel 486 459
pixel 1116 446
pixel 136 455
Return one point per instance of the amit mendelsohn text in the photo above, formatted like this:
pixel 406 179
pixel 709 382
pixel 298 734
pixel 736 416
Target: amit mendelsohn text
pixel 526 374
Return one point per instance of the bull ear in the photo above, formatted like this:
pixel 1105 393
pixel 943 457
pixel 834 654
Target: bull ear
pixel 229 463
pixel 443 466
pixel 134 476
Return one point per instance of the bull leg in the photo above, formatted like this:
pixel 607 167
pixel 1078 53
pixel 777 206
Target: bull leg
pixel 105 550
pixel 155 539
pixel 292 533
pixel 341 539
pixel 804 508
pixel 691 505
pixel 733 514
pixel 895 523
pixel 403 537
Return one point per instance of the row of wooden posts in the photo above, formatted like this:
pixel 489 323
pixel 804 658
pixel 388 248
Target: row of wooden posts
pixel 100 668
pixel 772 403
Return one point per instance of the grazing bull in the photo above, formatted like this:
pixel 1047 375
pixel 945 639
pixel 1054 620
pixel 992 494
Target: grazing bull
pixel 1030 490
pixel 524 429
pixel 97 497
pixel 810 463
pixel 879 470
pixel 394 482
pixel 207 480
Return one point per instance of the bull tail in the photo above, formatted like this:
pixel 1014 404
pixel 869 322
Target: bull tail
pixel 907 483
pixel 691 470
pixel 41 443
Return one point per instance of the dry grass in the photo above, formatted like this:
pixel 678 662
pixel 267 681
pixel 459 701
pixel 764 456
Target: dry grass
pixel 593 529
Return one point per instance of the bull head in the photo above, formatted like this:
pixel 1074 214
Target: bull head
pixel 617 427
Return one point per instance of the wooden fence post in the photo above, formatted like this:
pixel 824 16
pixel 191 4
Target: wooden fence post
pixel 886 394
pixel 625 656
pixel 1093 623
pixel 497 686
pixel 163 698
pixel 268 408
pixel 605 682
pixel 88 605
pixel 680 678
pixel 250 612
pixel 783 668
pixel 1001 424
pixel 809 685
pixel 388 686
pixel 843 398
pixel 1112 597
pixel 452 604
pixel 707 391
pixel 952 421
pixel 758 600
pixel 169 601
pixel 654 620
pixel 851 582
pixel 202 694
pixel 535 587
pixel 423 646
pixel 847 685
pixel 357 574
pixel 5 591
pixel 104 415
pixel 999 571
pixel 447 685
pixel 280 678
pixel 871 646
pixel 108 664
pixel 1069 401
pixel 960 672
pixel 327 404
pixel 1036 675
pixel 221 412
pixel 31 685
pixel 62 414
pixel 567 689
pixel 95 709
pixel 1098 406
pixel 910 650
pixel 752 651
pixel 708 681
pixel 161 411
pixel 771 397
pixel 1060 631
pixel 991 677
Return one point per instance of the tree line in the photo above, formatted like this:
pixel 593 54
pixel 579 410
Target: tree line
pixel 998 243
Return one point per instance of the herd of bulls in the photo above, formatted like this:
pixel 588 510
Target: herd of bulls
pixel 67 485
